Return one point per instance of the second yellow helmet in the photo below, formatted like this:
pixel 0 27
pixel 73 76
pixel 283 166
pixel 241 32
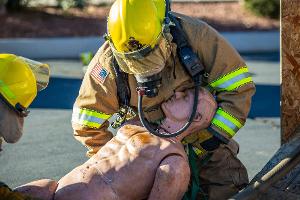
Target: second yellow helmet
pixel 20 79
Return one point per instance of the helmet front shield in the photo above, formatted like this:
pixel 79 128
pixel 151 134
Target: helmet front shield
pixel 41 72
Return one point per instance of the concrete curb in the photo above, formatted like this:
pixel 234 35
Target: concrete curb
pixel 248 42
pixel 51 48
pixel 71 47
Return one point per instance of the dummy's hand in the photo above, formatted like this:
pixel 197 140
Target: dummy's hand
pixel 179 108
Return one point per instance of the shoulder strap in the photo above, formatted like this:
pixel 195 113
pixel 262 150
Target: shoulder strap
pixel 190 60
pixel 177 32
pixel 123 89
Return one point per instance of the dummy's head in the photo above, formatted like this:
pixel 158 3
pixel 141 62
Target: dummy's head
pixel 136 35
pixel 20 79
pixel 178 109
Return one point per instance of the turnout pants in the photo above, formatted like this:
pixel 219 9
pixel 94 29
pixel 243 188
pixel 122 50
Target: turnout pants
pixel 223 175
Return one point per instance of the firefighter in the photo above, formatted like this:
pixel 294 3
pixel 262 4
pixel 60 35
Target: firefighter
pixel 147 49
pixel 20 80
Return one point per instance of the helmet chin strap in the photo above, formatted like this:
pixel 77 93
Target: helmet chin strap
pixel 152 128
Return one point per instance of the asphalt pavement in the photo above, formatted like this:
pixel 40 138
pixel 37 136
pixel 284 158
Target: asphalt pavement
pixel 48 149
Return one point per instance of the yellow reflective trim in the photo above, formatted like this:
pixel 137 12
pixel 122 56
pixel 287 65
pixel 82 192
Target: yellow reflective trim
pixel 239 84
pixel 229 76
pixel 232 80
pixel 226 122
pixel 88 117
pixel 229 117
pixel 94 113
pixel 198 151
pixel 90 124
pixel 222 126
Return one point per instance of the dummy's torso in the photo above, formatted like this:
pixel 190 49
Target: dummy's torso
pixel 124 168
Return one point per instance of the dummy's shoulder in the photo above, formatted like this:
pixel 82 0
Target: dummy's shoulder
pixel 129 130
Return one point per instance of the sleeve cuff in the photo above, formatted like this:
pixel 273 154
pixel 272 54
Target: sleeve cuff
pixel 218 135
pixel 211 144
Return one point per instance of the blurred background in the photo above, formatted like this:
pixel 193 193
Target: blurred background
pixel 70 18
pixel 66 33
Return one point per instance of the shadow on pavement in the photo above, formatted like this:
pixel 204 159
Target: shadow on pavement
pixel 61 94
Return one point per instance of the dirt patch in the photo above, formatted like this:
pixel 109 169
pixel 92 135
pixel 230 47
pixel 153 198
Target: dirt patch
pixel 229 16
pixel 53 22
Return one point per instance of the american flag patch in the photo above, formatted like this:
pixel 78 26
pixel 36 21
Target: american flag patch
pixel 99 73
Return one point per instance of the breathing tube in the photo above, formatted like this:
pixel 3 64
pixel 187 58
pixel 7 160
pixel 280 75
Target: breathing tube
pixel 149 86
pixel 153 128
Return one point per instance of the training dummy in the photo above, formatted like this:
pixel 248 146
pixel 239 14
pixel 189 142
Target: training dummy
pixel 136 164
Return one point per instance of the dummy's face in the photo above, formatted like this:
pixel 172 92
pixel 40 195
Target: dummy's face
pixel 11 125
pixel 179 107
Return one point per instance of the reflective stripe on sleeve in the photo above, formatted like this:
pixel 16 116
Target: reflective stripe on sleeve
pixel 90 118
pixel 233 80
pixel 226 122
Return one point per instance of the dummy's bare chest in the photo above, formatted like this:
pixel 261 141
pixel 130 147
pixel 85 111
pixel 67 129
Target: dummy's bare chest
pixel 140 147
pixel 129 161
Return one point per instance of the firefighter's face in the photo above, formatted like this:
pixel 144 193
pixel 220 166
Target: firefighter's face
pixel 11 124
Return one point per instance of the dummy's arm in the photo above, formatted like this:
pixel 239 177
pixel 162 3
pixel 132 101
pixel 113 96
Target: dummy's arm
pixel 43 189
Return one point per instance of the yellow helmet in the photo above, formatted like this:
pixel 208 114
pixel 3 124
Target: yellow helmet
pixel 20 79
pixel 135 24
